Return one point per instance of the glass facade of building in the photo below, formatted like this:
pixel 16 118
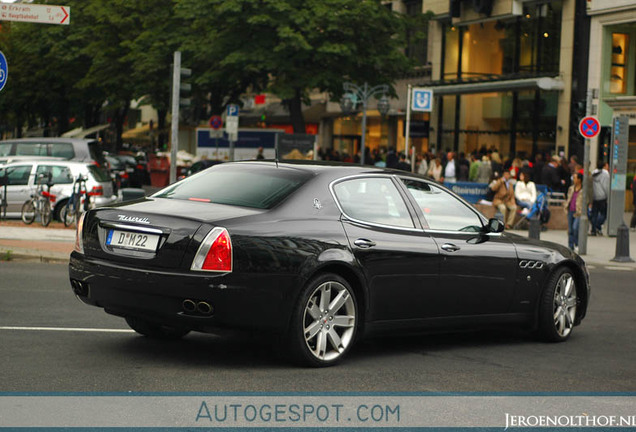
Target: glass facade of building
pixel 527 46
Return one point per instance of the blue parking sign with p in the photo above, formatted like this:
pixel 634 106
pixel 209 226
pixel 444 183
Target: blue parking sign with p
pixel 232 110
pixel 422 100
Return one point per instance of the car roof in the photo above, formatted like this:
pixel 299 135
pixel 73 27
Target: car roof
pixel 49 162
pixel 323 167
pixel 49 139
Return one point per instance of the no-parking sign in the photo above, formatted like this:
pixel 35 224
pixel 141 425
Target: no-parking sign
pixel 589 127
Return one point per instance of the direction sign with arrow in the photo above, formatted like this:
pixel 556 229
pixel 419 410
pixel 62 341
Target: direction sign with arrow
pixel 44 14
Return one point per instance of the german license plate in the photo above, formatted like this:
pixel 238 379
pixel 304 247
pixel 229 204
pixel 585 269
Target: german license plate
pixel 132 240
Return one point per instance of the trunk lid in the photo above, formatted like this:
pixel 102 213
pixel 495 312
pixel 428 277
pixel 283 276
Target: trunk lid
pixel 155 233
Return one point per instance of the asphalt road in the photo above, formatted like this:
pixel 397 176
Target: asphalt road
pixel 50 343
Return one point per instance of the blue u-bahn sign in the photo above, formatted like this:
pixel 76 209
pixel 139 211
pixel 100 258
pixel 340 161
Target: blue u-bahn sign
pixel 4 70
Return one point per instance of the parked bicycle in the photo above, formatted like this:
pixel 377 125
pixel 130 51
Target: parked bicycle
pixel 40 202
pixel 78 202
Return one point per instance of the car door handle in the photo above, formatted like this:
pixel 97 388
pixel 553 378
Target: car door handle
pixel 364 243
pixel 449 247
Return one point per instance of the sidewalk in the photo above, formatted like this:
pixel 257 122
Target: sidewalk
pixel 55 243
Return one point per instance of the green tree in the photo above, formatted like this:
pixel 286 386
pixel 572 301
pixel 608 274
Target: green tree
pixel 291 47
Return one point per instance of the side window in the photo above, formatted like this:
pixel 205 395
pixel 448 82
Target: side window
pixel 64 150
pixel 30 149
pixel 18 175
pixel 442 210
pixel 59 174
pixel 5 149
pixel 373 199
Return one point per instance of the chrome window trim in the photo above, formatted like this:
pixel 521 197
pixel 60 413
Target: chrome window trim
pixel 390 177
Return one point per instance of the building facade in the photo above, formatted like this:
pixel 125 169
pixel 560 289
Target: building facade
pixel 612 70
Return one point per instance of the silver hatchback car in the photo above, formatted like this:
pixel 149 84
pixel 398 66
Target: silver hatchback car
pixel 21 178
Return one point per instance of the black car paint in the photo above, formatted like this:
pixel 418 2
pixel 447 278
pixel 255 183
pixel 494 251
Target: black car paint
pixel 277 251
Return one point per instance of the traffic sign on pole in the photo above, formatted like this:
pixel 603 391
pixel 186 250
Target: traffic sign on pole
pixel 216 122
pixel 589 127
pixel 43 14
pixel 4 70
pixel 232 111
pixel 422 100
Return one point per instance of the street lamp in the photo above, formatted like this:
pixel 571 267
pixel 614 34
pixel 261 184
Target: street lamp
pixel 355 93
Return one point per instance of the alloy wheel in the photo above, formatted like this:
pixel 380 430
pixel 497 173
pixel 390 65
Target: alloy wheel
pixel 565 301
pixel 329 321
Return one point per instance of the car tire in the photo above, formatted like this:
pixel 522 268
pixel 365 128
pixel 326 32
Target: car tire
pixel 155 331
pixel 57 211
pixel 28 212
pixel 324 322
pixel 557 310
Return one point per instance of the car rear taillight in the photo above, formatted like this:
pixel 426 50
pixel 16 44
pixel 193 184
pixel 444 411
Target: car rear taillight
pixel 96 191
pixel 79 241
pixel 141 167
pixel 215 252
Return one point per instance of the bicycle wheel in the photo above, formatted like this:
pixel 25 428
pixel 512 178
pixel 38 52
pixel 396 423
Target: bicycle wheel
pixel 45 212
pixel 67 215
pixel 28 212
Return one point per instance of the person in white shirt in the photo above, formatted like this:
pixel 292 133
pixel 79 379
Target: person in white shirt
pixel 525 192
pixel 450 170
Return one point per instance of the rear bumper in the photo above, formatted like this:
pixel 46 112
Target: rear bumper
pixel 258 302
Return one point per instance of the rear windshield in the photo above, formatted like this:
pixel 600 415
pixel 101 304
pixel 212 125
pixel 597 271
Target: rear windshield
pixel 96 152
pixel 244 185
pixel 99 174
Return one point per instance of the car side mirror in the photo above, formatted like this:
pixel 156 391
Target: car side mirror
pixel 495 225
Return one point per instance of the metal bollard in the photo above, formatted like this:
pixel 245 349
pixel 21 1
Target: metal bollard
pixel 622 244
pixel 534 230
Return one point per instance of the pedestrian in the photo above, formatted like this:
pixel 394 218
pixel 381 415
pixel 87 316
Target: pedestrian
pixel 474 167
pixel 450 169
pixel 259 155
pixel 600 193
pixel 403 164
pixel 574 207
pixel 435 171
pixel 525 192
pixel 423 166
pixel 505 198
pixel 463 166
pixel 484 171
pixel 632 224
pixel 391 158
pixel 550 175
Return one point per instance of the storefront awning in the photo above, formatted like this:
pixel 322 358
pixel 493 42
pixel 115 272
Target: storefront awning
pixel 543 83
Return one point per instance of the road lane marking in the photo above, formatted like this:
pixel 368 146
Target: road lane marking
pixel 69 329
pixel 618 268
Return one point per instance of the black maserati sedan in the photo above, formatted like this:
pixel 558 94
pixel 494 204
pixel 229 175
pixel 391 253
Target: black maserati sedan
pixel 321 255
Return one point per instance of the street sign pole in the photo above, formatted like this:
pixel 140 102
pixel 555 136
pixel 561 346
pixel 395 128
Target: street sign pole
pixel 231 127
pixel 583 222
pixel 408 125
pixel 174 147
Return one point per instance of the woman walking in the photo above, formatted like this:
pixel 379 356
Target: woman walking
pixel 573 207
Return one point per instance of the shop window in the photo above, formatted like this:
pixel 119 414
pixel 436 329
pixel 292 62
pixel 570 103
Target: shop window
pixel 618 71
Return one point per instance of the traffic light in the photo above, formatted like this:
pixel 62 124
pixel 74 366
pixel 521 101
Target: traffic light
pixel 185 87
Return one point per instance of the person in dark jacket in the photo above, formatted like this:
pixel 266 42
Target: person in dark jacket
pixel 550 175
pixel 632 224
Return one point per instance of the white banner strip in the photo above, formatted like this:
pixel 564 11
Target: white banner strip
pixel 321 410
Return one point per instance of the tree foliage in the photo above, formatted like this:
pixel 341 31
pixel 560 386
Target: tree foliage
pixel 117 51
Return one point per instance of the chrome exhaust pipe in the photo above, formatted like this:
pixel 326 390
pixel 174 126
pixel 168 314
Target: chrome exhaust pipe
pixel 204 308
pixel 189 305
